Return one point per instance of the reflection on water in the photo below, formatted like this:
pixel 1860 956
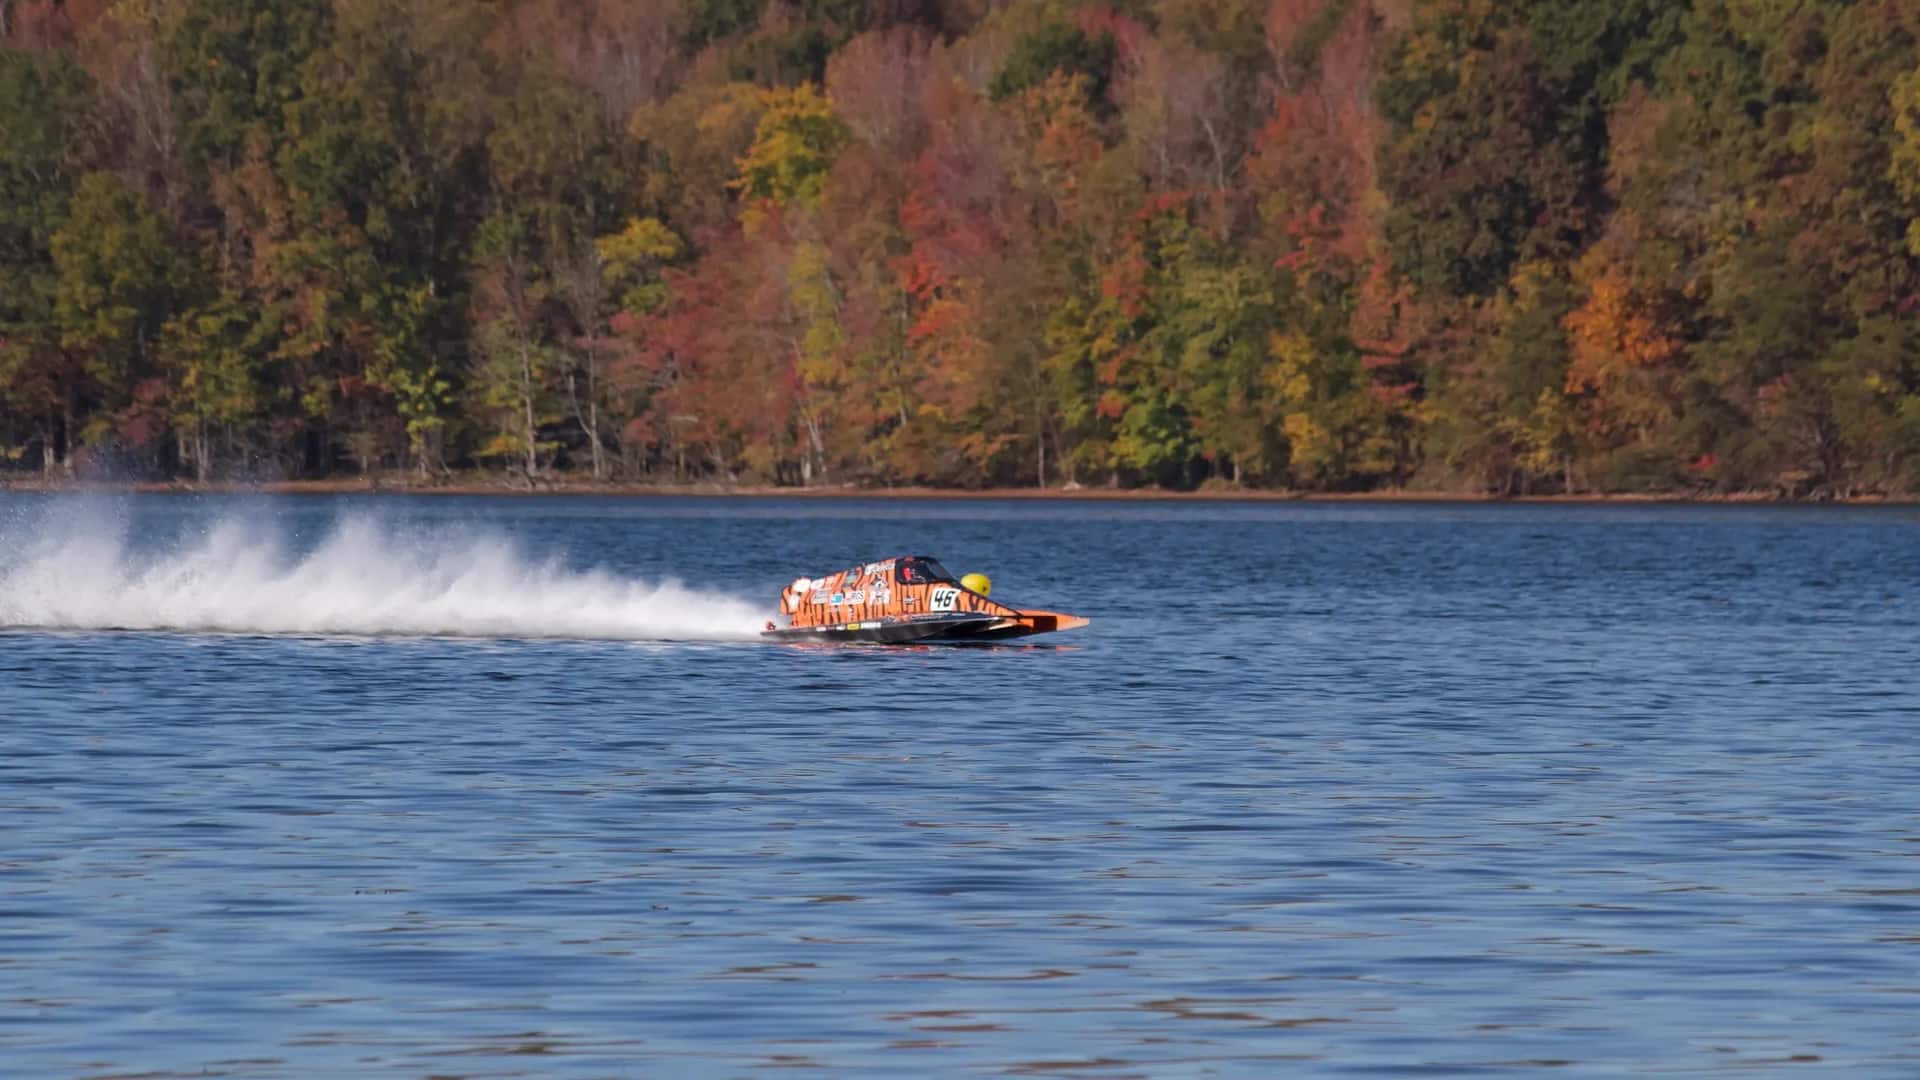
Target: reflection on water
pixel 1324 790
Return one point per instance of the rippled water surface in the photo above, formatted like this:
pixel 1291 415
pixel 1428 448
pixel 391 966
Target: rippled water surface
pixel 468 787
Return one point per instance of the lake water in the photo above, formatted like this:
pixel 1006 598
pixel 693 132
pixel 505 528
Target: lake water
pixel 471 787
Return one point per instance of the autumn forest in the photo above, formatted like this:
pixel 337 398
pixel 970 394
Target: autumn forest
pixel 1486 246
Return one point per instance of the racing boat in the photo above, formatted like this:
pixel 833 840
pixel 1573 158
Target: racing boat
pixel 910 598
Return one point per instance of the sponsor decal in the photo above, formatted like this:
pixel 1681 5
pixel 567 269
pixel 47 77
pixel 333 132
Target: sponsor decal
pixel 943 599
pixel 820 597
pixel 879 596
pixel 838 598
pixel 856 597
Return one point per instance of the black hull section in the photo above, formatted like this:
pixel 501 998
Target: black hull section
pixel 935 628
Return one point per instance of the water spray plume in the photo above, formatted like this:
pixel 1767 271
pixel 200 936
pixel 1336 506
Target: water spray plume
pixel 79 572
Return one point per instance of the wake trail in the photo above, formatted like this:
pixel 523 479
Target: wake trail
pixel 79 572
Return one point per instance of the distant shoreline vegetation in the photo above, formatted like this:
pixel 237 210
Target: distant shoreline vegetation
pixel 496 484
pixel 1563 248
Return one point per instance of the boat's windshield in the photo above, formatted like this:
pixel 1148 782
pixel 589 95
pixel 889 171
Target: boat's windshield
pixel 920 572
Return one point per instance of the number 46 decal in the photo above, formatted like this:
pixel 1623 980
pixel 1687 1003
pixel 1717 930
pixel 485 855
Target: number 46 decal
pixel 943 599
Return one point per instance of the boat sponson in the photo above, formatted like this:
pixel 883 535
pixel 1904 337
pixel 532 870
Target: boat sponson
pixel 957 626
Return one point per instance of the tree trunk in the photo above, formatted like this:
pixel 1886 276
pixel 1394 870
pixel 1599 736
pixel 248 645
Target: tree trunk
pixel 593 431
pixel 589 417
pixel 526 399
pixel 815 452
pixel 593 413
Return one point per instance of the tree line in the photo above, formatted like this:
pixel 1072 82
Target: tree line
pixel 1522 246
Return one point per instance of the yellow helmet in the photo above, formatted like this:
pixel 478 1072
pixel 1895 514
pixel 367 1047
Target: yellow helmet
pixel 979 583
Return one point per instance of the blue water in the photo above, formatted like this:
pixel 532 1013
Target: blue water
pixel 1324 790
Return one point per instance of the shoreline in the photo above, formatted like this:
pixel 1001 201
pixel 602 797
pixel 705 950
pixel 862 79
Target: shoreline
pixel 570 488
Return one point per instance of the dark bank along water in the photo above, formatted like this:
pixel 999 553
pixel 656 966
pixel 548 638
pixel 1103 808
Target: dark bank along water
pixel 1324 790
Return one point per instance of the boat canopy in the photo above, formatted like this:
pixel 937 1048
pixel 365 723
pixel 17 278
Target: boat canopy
pixel 920 570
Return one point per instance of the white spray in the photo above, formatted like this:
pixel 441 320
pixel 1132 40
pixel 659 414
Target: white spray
pixel 79 572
